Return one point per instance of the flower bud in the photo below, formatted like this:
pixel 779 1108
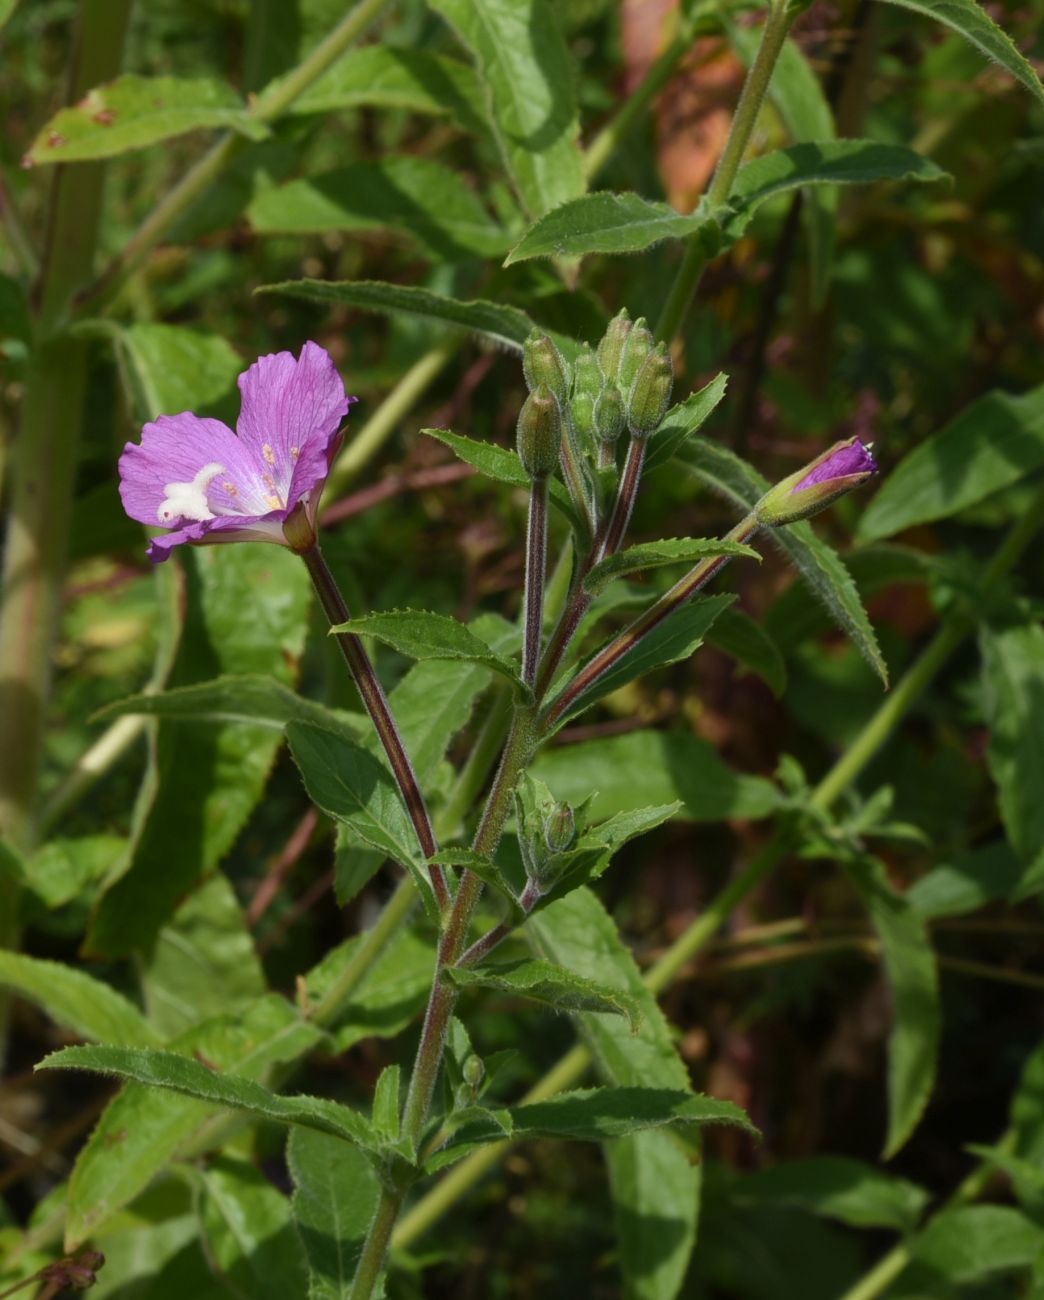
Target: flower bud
pixel 473 1071
pixel 650 393
pixel 609 416
pixel 539 433
pixel 610 350
pixel 542 364
pixel 587 374
pixel 639 345
pixel 559 828
pixel 846 465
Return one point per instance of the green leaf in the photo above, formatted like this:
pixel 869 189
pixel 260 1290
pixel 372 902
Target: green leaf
pixel 827 162
pixel 653 768
pixel 909 964
pixel 605 223
pixel 593 1115
pixel 502 324
pixel 349 784
pixel 250 1235
pixel 655 1182
pixel 6 10
pixel 414 196
pixel 654 555
pixel 677 637
pixel 502 464
pixel 747 641
pixel 819 564
pixel 203 782
pixel 141 1127
pixel 64 869
pixel 1013 687
pixel 596 848
pixel 992 444
pixel 970 1242
pixel 381 76
pixel 335 1195
pixel 837 1187
pixel 683 420
pixel 76 1001
pixel 386 1102
pixel 419 634
pixel 554 986
pixel 971 21
pixel 967 883
pixel 133 112
pixel 527 73
pixel 168 368
pixel 190 1078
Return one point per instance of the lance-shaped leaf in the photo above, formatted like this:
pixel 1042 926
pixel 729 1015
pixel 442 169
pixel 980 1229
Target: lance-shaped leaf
pixel 133 112
pixel 415 196
pixel 655 555
pixel 506 326
pixel 828 162
pixel 554 986
pixel 836 1187
pixel 191 1078
pixel 524 65
pixel 971 21
pixel 819 564
pixel 420 634
pixel 502 464
pixel 683 420
pixel 606 223
pixel 968 1243
pixel 750 645
pixel 594 1115
pixel 381 76
pixel 76 1000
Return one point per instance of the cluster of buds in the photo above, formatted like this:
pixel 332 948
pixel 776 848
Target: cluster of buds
pixel 546 833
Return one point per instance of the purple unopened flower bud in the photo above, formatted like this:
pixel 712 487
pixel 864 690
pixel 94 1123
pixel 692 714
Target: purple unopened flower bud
pixel 610 350
pixel 846 465
pixel 539 437
pixel 542 364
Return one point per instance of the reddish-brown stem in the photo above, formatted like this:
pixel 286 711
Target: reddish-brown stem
pixel 536 573
pixel 435 476
pixel 376 705
pixel 283 862
pixel 625 497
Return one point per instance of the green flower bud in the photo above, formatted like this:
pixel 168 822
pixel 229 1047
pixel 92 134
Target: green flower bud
pixel 542 364
pixel 609 416
pixel 639 345
pixel 560 828
pixel 610 350
pixel 650 393
pixel 582 413
pixel 844 466
pixel 539 435
pixel 587 374
pixel 473 1071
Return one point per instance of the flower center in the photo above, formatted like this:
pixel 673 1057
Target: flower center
pixel 189 500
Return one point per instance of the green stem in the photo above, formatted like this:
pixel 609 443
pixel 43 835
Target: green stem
pixel 371 1261
pixel 773 34
pixel 270 105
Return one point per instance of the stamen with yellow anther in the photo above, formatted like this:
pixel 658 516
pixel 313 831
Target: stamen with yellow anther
pixel 268 453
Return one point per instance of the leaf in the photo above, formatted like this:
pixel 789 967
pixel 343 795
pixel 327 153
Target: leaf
pixel 677 637
pixel 992 444
pixel 349 784
pixel 972 22
pixel 654 555
pixel 64 869
pixel 837 1187
pixel 819 564
pixel 381 76
pixel 527 73
pixel 169 368
pixel 245 611
pixel 593 1115
pixel 1013 689
pixel 605 223
pixel 414 196
pixel 133 112
pixel 683 420
pixel 827 162
pixel 419 634
pixel 76 1000
pixel 655 1183
pixel 141 1127
pixel 967 883
pixel 386 1102
pixel 909 964
pixel 191 1078
pixel 335 1195
pixel 970 1242
pixel 747 642
pixel 502 464
pixel 249 1232
pixel 504 325
pixel 593 854
pixel 6 10
pixel 543 981
pixel 653 768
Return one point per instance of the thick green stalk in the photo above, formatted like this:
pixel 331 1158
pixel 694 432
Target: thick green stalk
pixel 371 1261
pixel 773 34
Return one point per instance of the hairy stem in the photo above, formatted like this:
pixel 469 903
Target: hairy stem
pixel 536 576
pixel 376 705
pixel 626 496
pixel 371 1261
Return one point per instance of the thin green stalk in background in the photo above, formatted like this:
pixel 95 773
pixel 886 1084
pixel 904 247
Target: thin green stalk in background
pixel 571 1068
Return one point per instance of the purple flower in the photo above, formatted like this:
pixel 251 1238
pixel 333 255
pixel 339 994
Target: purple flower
pixel 839 462
pixel 208 484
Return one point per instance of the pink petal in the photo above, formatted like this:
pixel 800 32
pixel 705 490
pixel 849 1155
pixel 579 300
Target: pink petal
pixel 225 528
